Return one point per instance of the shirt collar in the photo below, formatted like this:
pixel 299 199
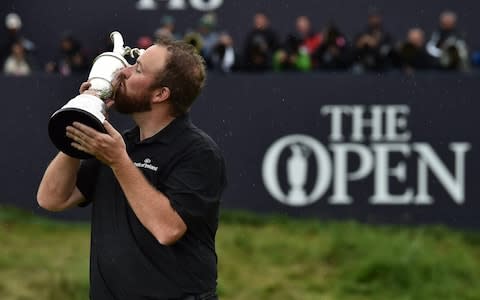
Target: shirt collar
pixel 165 136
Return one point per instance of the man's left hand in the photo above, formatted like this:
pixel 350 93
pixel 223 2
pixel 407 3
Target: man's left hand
pixel 108 147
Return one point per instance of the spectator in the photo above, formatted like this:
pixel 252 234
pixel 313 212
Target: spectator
pixel 476 59
pixel 333 52
pixel 299 47
pixel 373 47
pixel 260 44
pixel 13 24
pixel 16 64
pixel 205 38
pixel 223 56
pixel 144 42
pixel 167 29
pixel 447 45
pixel 207 30
pixel 195 39
pixel 71 58
pixel 303 37
pixel 412 54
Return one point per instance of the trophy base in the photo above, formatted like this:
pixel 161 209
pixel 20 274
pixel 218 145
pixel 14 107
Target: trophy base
pixel 65 117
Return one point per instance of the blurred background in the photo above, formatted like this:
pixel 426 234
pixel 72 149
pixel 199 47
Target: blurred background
pixel 349 130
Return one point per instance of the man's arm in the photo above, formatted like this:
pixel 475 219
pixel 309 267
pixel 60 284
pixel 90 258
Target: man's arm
pixel 57 190
pixel 151 207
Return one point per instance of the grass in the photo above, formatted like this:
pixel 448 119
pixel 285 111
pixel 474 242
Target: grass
pixel 263 258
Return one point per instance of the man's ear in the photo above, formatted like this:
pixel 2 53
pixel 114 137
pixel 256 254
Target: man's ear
pixel 161 94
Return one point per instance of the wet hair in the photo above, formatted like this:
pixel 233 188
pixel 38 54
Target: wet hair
pixel 184 74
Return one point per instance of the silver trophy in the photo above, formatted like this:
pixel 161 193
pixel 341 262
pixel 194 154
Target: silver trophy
pixel 87 108
pixel 297 169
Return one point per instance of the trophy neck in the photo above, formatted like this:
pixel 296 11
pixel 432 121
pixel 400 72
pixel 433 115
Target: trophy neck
pixel 103 72
pixel 114 55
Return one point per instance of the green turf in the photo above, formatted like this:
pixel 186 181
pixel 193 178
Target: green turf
pixel 263 258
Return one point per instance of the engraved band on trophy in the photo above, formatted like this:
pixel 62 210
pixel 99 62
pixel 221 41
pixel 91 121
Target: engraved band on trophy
pixel 86 108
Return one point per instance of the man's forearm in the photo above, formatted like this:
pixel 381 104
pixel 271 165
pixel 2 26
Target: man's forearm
pixel 58 182
pixel 152 207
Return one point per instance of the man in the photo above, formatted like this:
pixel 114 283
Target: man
pixel 448 45
pixel 373 48
pixel 13 24
pixel 155 191
pixel 412 54
pixel 260 44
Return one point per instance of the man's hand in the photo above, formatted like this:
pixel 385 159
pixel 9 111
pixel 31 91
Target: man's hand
pixel 85 88
pixel 108 147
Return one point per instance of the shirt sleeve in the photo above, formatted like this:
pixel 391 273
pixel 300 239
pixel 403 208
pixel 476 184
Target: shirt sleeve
pixel 195 186
pixel 86 178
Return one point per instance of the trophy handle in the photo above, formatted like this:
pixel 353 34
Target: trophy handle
pixel 120 48
pixel 118 43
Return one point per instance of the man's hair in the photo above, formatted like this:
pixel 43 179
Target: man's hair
pixel 184 74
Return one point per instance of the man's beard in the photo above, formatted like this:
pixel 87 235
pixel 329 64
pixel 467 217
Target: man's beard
pixel 126 104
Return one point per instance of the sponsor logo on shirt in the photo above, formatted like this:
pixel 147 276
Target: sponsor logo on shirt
pixel 146 164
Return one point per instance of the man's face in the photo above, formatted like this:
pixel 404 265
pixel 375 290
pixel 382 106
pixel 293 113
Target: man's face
pixel 375 21
pixel 260 21
pixel 416 37
pixel 303 25
pixel 133 85
pixel 448 21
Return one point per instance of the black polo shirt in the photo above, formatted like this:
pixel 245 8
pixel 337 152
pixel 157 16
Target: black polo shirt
pixel 126 261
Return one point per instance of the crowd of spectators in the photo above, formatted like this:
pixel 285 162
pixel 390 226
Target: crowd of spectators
pixel 16 53
pixel 306 48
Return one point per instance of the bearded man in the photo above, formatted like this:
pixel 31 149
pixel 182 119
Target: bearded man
pixel 154 191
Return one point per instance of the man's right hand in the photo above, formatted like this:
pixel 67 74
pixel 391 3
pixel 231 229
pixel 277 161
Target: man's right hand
pixel 85 86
